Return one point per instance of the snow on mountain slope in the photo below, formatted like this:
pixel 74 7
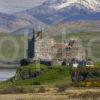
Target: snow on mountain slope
pixel 59 4
pixel 61 11
pixel 52 12
pixel 58 11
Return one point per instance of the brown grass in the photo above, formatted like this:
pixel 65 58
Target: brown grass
pixel 51 94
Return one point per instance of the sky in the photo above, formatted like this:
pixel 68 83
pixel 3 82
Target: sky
pixel 12 6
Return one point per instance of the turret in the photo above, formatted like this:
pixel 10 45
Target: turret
pixel 31 46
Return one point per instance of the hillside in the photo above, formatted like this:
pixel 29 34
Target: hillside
pixel 45 76
pixel 74 27
pixel 10 23
pixel 13 23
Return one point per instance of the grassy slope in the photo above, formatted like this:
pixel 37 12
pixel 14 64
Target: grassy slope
pixel 54 76
pixel 51 77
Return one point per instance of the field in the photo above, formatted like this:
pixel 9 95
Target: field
pixel 69 94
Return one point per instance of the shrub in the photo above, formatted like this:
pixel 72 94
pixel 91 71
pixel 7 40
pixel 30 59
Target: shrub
pixel 24 62
pixel 36 83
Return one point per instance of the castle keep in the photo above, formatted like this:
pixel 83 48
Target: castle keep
pixel 43 47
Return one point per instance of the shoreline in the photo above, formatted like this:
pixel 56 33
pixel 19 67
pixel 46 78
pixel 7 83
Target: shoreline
pixel 9 66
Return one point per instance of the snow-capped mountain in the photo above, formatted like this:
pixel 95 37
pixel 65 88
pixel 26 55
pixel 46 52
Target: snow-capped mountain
pixel 59 11
pixel 52 12
pixel 60 4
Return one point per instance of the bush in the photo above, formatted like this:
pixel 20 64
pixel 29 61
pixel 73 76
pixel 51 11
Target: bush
pixel 24 62
pixel 36 83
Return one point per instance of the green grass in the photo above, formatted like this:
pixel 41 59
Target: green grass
pixel 54 76
pixel 50 77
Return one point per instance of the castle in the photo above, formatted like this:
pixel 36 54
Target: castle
pixel 40 46
pixel 43 47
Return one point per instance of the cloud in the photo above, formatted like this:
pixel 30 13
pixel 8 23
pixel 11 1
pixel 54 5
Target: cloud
pixel 11 6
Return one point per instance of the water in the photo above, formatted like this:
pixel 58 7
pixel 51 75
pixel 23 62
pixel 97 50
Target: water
pixel 6 74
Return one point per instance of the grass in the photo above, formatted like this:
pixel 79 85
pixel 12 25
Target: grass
pixel 76 94
pixel 49 77
pixel 53 76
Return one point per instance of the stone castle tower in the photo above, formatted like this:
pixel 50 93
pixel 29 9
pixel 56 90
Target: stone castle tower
pixel 31 47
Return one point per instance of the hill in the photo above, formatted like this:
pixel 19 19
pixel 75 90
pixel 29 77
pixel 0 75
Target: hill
pixel 74 27
pixel 10 23
pixel 48 76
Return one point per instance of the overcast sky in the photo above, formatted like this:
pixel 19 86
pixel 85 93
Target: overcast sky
pixel 11 6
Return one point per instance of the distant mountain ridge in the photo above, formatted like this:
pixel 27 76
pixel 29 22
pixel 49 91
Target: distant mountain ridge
pixel 93 5
pixel 13 23
pixel 59 11
pixel 53 13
